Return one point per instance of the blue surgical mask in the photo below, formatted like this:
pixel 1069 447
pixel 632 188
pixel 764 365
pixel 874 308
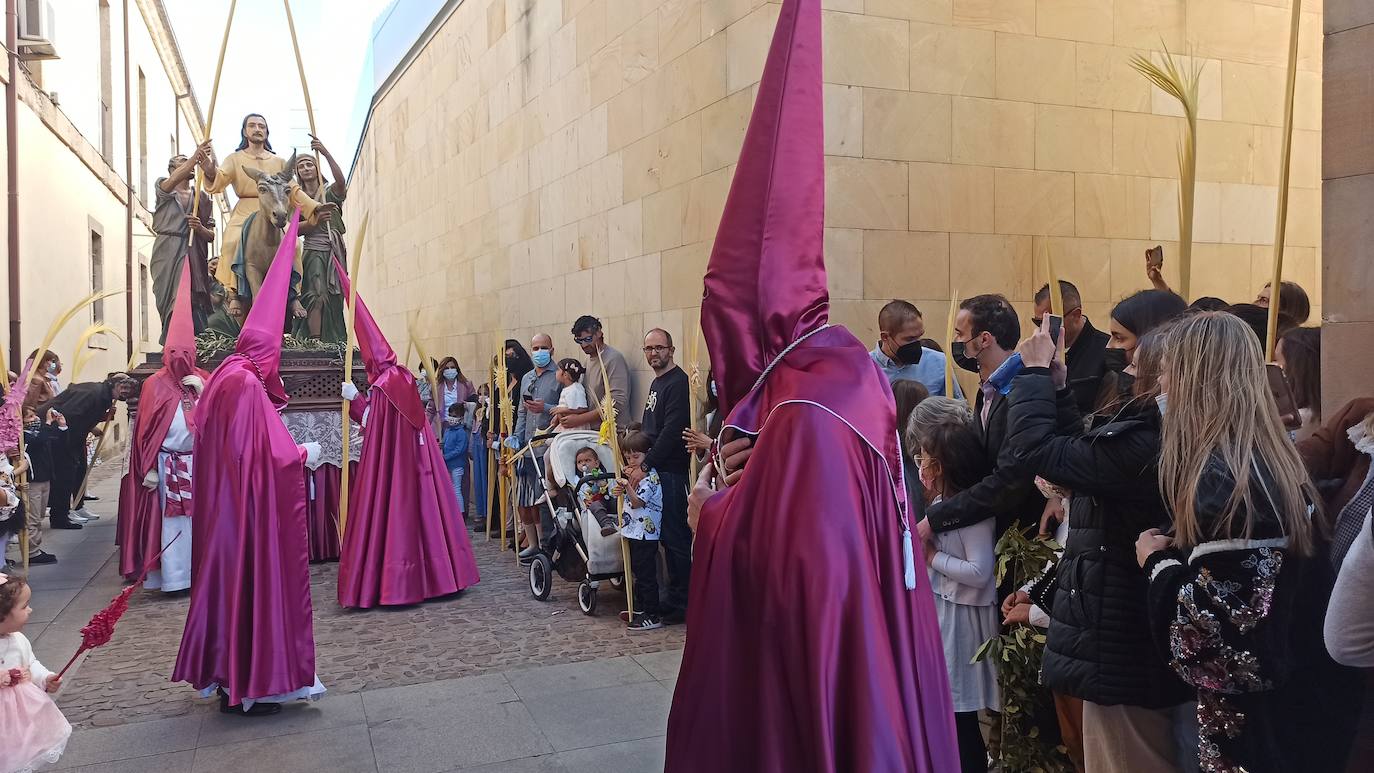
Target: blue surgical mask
pixel 1162 400
pixel 450 373
pixel 52 368
pixel 542 358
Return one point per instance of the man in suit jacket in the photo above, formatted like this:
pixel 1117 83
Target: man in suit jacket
pixel 1085 346
pixel 986 332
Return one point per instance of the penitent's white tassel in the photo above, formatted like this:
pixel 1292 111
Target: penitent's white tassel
pixel 908 561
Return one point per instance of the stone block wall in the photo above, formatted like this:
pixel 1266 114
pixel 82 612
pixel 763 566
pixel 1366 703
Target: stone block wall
pixel 541 159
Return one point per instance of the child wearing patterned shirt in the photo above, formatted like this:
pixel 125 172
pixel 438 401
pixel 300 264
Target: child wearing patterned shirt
pixel 643 519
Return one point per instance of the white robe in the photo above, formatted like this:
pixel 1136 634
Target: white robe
pixel 175 572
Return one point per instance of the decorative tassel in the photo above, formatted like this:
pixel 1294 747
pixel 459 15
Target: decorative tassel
pixel 908 561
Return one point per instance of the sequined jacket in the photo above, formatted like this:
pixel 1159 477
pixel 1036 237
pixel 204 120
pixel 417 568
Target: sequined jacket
pixel 1239 618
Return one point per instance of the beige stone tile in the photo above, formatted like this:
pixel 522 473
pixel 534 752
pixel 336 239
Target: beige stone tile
pixel 1222 271
pixel 993 132
pixel 746 44
pixel 705 202
pixel 905 125
pixel 1247 213
pixel 1310 41
pixel 1073 139
pixel 1226 29
pixel 663 216
pixel 679 27
pixel 610 287
pixel 1164 211
pixel 996 15
pixel 592 133
pixel 866 193
pixel 593 240
pixel 591 30
pixel 1113 206
pixel 844 120
pixel 1146 145
pixel 1028 202
pixel 844 263
pixel 1145 23
pixel 1085 262
pixel 644 277
pixel 639 50
pixel 565 250
pixel 716 15
pixel 990 263
pixel 1225 152
pixel 693 81
pixel 952 60
pixel 1208 72
pixel 1253 94
pixel 866 50
pixel 662 160
pixel 681 271
pixel 1307 101
pixel 1086 20
pixel 1128 269
pixel 625 226
pixel 951 197
pixel 1305 162
pixel 933 11
pixel 1035 69
pixel 723 125
pixel 905 264
pixel 1104 78
pixel 1304 217
pixel 496 22
pixel 625 118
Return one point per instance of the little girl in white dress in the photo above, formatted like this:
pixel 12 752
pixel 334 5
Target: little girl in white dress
pixel 33 728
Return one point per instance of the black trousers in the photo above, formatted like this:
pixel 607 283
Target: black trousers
pixel 68 471
pixel 973 753
pixel 676 538
pixel 644 566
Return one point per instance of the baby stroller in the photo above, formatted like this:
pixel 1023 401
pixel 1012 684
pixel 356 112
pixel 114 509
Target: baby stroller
pixel 577 551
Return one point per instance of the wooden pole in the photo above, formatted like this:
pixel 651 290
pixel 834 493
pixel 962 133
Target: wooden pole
pixel 210 118
pixel 609 418
pixel 487 449
pixel 355 265
pixel 1056 292
pixel 1285 157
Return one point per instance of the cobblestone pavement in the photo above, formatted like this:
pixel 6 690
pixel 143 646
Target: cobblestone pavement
pixel 493 627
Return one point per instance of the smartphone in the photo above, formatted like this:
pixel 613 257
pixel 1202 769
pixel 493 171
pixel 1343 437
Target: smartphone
pixel 1056 325
pixel 1154 257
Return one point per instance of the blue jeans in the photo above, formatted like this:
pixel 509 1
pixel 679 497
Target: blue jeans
pixel 479 474
pixel 457 474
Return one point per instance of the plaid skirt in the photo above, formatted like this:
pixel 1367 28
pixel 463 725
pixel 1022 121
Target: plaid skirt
pixel 529 480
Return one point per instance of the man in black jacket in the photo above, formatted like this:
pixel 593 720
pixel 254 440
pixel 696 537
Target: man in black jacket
pixel 85 406
pixel 1085 346
pixel 666 415
pixel 986 331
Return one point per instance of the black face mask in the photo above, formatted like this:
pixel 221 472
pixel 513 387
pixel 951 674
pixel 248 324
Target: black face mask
pixel 1125 385
pixel 908 354
pixel 958 349
pixel 1115 360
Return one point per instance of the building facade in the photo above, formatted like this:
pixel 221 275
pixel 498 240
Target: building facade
pixel 103 102
pixel 529 161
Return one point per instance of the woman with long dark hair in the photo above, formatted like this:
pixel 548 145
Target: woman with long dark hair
pixel 1098 649
pixel 1299 355
pixel 1239 589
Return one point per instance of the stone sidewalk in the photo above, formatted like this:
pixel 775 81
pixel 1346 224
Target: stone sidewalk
pixel 489 679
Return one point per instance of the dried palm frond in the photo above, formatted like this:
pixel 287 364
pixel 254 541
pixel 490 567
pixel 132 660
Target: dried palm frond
pixel 83 354
pixel 1285 158
pixel 1181 83
pixel 949 343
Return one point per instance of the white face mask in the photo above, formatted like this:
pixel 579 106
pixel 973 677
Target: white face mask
pixel 1162 400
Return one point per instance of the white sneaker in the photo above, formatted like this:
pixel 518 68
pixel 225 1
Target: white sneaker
pixel 84 515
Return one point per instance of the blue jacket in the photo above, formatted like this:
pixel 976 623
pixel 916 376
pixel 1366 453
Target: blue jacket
pixel 455 447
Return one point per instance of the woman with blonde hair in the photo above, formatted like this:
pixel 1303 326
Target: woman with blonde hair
pixel 1237 594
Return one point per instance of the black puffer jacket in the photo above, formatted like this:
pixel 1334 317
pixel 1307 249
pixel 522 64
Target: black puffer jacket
pixel 1099 646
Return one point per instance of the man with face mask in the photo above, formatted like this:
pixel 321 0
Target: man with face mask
pixel 986 332
pixel 1085 347
pixel 538 395
pixel 899 351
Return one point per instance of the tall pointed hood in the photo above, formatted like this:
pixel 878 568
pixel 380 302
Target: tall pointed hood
pixel 378 355
pixel 765 285
pixel 383 375
pixel 260 340
pixel 179 352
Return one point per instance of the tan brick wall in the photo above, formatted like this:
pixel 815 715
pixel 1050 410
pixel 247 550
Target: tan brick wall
pixel 547 158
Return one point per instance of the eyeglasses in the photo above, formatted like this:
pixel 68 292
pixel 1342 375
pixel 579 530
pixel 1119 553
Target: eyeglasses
pixel 582 340
pixel 656 349
pixel 1038 321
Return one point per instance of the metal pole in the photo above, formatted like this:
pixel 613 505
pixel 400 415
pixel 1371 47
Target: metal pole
pixel 129 208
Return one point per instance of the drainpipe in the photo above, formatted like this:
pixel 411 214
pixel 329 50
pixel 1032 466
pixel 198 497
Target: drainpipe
pixel 129 186
pixel 12 176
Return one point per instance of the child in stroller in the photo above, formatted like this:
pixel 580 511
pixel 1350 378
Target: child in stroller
pixel 593 494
